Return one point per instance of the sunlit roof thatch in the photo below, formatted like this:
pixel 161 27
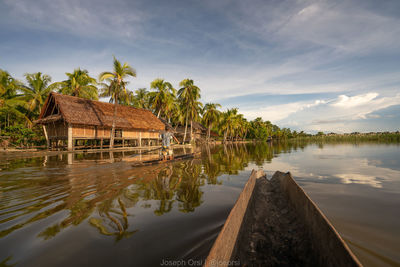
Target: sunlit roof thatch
pixel 81 111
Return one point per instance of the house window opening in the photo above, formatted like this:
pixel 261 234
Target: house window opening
pixel 118 133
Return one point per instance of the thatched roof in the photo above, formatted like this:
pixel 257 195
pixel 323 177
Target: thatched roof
pixel 81 111
pixel 204 129
pixel 196 126
pixel 199 126
pixel 168 127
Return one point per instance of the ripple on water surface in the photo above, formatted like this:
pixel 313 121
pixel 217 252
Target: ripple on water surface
pixel 80 209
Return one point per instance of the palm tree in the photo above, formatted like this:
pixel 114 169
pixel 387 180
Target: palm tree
pixel 245 126
pixel 238 121
pixel 79 84
pixel 268 125
pixel 163 96
pixel 228 122
pixel 36 91
pixel 141 98
pixel 171 108
pixel 189 95
pixel 211 115
pixel 8 85
pixel 178 114
pixel 116 88
pixel 10 102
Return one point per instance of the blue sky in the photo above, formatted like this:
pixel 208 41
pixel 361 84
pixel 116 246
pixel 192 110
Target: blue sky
pixel 307 65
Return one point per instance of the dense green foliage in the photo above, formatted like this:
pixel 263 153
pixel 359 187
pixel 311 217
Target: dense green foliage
pixel 381 137
pixel 20 105
pixel 80 84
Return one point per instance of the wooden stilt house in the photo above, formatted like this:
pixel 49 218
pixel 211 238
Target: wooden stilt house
pixel 72 122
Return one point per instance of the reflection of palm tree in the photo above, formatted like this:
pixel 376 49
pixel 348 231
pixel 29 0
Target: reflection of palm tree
pixel 119 225
pixel 163 188
pixel 78 213
pixel 114 195
pixel 4 263
pixel 189 193
pixel 212 171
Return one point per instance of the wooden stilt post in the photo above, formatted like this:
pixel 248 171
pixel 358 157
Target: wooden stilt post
pixel 70 158
pixel 70 144
pixel 140 139
pixel 47 137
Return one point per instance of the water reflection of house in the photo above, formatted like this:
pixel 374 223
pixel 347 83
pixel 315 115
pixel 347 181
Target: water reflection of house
pixel 72 121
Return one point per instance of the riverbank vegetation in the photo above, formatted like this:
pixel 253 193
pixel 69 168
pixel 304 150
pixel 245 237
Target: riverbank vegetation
pixel 381 137
pixel 21 102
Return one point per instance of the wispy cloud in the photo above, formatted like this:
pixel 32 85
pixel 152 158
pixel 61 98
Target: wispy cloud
pixel 345 26
pixel 77 17
pixel 277 113
pixel 326 114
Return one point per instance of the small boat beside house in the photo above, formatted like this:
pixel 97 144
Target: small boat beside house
pixel 275 223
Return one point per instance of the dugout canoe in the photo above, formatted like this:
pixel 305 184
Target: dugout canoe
pixel 293 231
pixel 160 160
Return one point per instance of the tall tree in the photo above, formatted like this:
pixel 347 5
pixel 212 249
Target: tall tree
pixel 8 85
pixel 141 98
pixel 163 96
pixel 35 92
pixel 211 116
pixel 228 123
pixel 10 102
pixel 245 125
pixel 80 84
pixel 178 114
pixel 115 88
pixel 189 95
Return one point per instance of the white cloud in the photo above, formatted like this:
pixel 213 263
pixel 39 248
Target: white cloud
pixel 345 101
pixel 325 114
pixel 277 113
pixel 356 178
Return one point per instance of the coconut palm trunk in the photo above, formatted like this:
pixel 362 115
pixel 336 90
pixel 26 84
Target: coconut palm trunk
pixel 191 130
pixel 113 126
pixel 186 124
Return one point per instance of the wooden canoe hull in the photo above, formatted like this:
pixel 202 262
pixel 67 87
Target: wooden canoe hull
pixel 327 243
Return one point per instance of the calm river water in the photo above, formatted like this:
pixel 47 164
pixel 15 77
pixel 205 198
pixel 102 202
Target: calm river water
pixel 95 209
